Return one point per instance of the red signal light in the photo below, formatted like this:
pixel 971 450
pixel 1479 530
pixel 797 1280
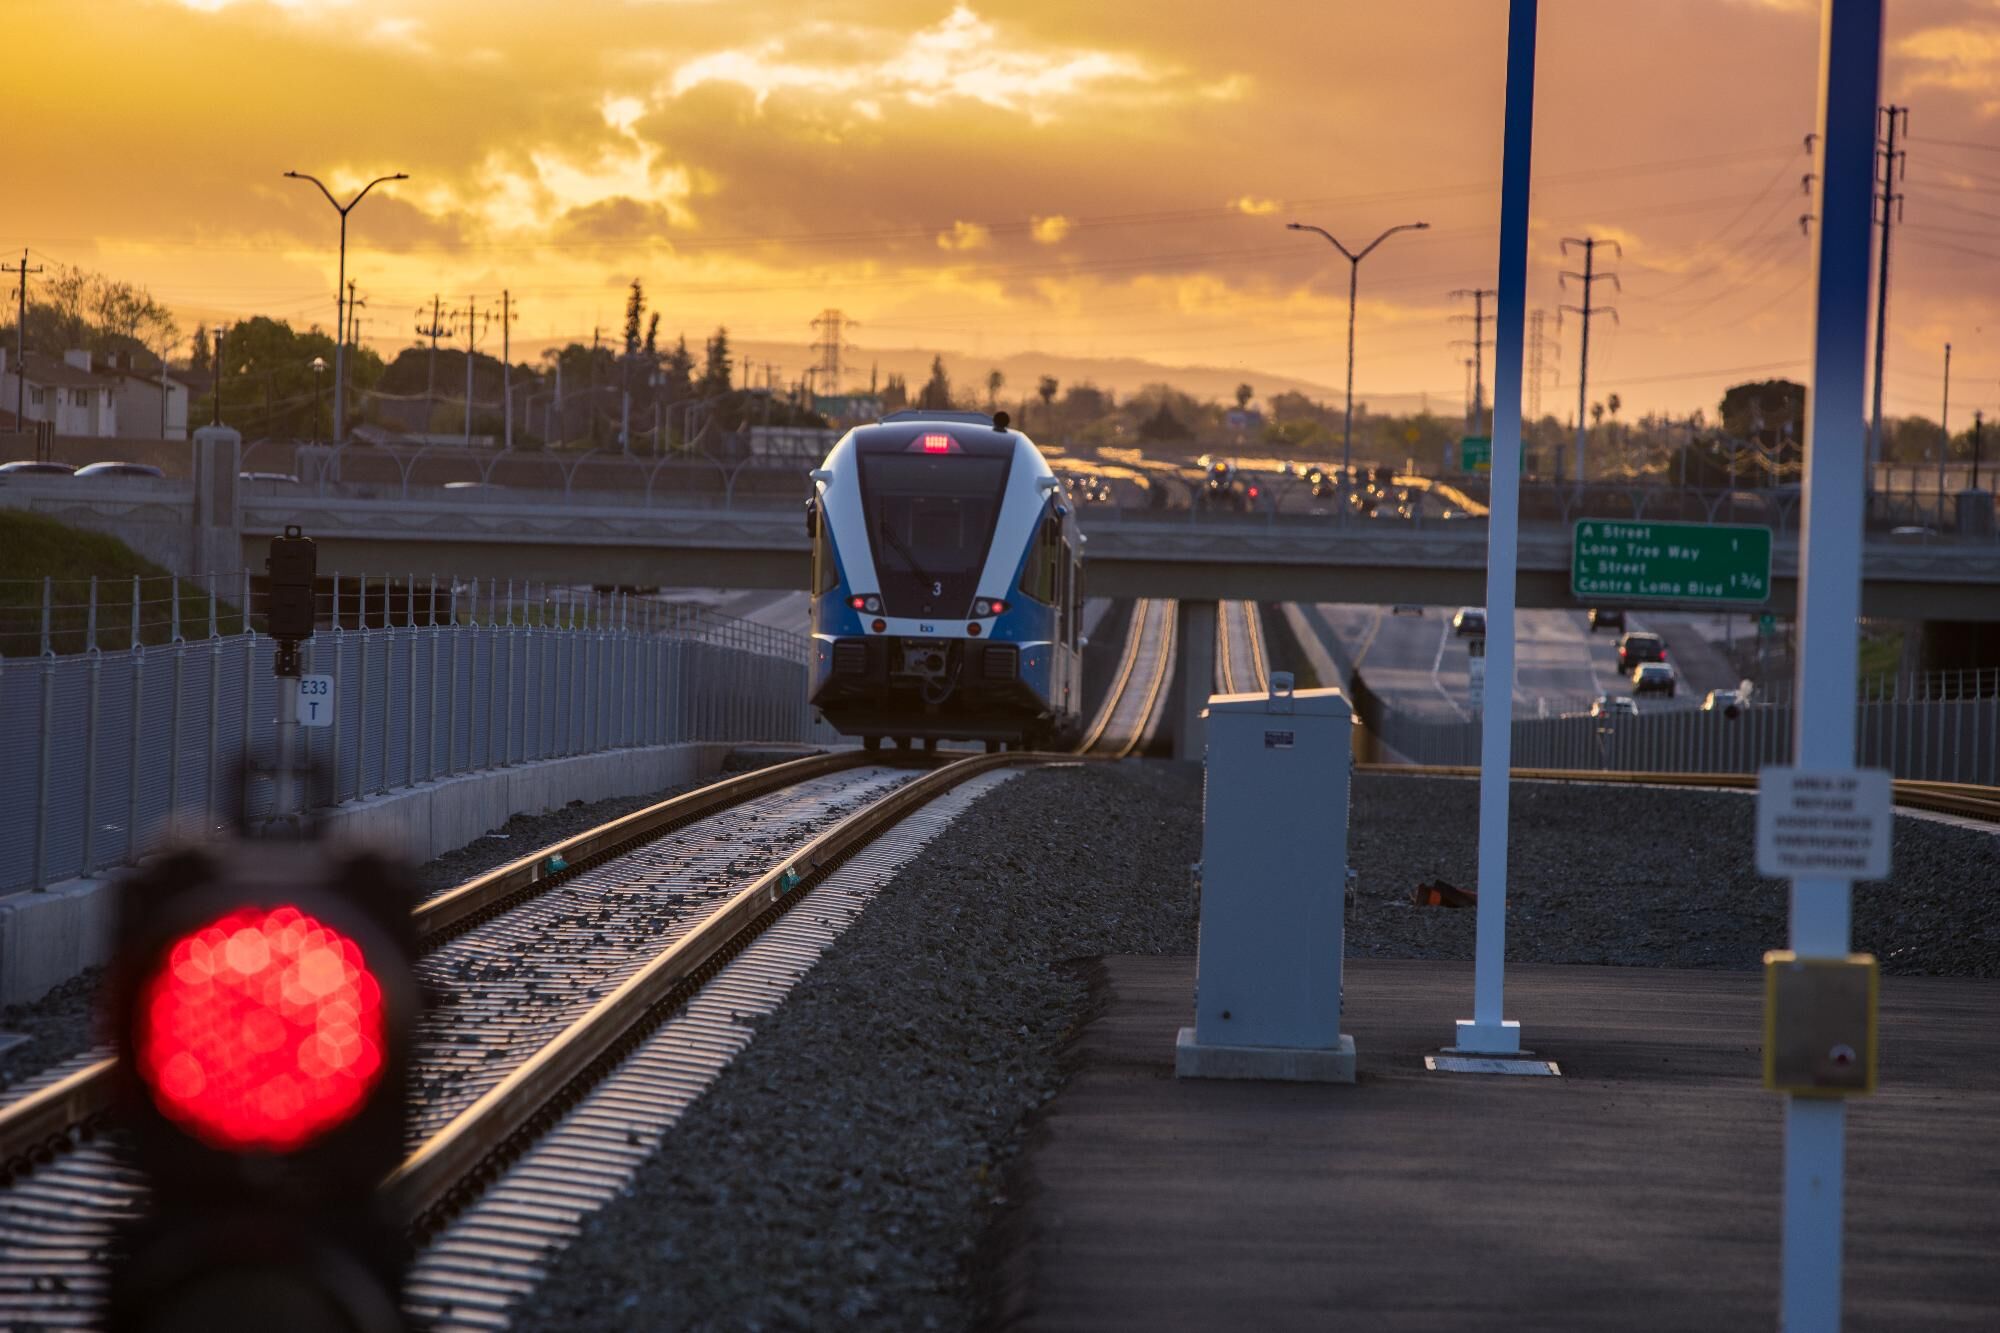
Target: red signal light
pixel 937 444
pixel 857 602
pixel 263 1029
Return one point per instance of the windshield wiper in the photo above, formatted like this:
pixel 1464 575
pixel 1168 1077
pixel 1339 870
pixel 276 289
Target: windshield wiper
pixel 909 557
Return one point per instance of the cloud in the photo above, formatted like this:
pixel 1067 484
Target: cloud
pixel 1049 230
pixel 1252 206
pixel 400 33
pixel 962 56
pixel 965 236
pixel 1962 58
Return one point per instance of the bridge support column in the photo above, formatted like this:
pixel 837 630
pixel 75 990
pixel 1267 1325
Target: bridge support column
pixel 217 539
pixel 1194 675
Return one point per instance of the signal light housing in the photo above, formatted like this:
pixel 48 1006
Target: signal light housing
pixel 264 1008
pixel 869 603
pixel 988 606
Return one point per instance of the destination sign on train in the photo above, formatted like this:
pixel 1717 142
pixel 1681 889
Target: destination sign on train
pixel 1611 559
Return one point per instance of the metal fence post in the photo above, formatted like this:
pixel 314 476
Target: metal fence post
pixel 212 784
pixel 136 653
pixel 46 730
pixel 249 697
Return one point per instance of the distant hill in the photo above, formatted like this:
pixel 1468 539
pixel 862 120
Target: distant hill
pixel 1123 375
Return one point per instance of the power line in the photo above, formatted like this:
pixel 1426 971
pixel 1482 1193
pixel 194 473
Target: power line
pixel 437 328
pixel 1537 340
pixel 1589 277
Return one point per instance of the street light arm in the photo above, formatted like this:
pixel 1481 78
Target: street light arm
pixel 1406 226
pixel 1352 258
pixel 398 176
pixel 301 176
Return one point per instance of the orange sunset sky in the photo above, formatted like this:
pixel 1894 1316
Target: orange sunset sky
pixel 1007 176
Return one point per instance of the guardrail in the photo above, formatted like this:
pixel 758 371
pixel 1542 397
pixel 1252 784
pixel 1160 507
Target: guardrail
pixel 104 755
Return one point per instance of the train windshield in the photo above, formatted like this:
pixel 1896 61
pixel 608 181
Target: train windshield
pixel 930 521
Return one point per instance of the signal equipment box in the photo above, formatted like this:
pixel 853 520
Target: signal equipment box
pixel 1273 889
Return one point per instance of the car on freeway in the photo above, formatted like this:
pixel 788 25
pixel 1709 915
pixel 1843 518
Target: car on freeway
pixel 30 467
pixel 113 468
pixel 1637 647
pixel 274 478
pixel 1606 617
pixel 1469 622
pixel 1606 705
pixel 1653 678
pixel 1716 701
pixel 1406 609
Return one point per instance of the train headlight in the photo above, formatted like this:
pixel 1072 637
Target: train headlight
pixel 985 606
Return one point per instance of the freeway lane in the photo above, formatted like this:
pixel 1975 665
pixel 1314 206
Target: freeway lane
pixel 1419 666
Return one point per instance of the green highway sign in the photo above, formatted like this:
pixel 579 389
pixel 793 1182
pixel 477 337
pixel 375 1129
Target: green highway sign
pixel 1475 453
pixel 1614 560
pixel 1767 624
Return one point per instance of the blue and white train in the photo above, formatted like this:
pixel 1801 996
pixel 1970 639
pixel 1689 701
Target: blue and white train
pixel 947 585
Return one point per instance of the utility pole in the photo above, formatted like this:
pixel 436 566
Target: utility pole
pixel 436 329
pixel 1889 118
pixel 1537 371
pixel 1944 445
pixel 1479 343
pixel 21 342
pixel 472 329
pixel 596 334
pixel 507 317
pixel 1588 277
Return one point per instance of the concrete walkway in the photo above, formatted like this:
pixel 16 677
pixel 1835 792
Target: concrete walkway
pixel 1639 1191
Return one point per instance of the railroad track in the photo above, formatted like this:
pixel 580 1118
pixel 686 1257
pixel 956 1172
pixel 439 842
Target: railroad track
pixel 1950 798
pixel 1144 668
pixel 1240 664
pixel 576 1026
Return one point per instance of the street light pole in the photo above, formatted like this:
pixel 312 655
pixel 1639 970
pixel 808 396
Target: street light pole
pixel 1353 283
pixel 339 291
pixel 319 381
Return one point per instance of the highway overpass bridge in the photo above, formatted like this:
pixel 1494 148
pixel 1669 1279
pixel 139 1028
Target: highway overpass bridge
pixel 1194 556
pixel 1191 556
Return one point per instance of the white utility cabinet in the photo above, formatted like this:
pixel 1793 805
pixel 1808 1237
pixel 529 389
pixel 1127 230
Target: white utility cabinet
pixel 1273 889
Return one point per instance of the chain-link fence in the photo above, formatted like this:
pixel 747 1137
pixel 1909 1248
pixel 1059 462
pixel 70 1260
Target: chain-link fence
pixel 104 754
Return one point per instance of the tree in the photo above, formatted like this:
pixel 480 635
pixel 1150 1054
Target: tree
pixel 936 393
pixel 995 381
pixel 1047 387
pixel 1163 425
pixel 1596 414
pixel 198 354
pixel 895 394
pixel 1243 395
pixel 677 371
pixel 715 372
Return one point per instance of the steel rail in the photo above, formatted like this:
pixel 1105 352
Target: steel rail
pixel 35 1126
pixel 1126 662
pixel 1169 629
pixel 453 1164
pixel 1952 798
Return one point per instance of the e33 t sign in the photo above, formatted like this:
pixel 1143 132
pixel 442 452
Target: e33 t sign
pixel 1612 560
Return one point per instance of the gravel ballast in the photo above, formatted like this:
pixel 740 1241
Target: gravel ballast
pixel 843 1171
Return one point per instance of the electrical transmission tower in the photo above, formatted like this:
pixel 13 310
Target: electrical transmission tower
pixel 1477 405
pixel 1538 340
pixel 831 327
pixel 1589 277
pixel 435 329
pixel 474 324
pixel 1894 162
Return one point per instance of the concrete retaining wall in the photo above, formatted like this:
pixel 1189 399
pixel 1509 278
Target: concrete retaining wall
pixel 48 937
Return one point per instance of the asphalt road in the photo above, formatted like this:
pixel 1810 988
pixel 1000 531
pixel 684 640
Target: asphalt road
pixel 1421 667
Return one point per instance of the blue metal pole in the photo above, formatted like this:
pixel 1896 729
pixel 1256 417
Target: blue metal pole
pixel 1850 73
pixel 1488 1031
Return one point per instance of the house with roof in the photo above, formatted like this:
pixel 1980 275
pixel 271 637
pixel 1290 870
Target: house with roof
pixel 151 404
pixel 65 393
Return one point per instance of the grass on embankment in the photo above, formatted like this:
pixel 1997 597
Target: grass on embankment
pixel 41 558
